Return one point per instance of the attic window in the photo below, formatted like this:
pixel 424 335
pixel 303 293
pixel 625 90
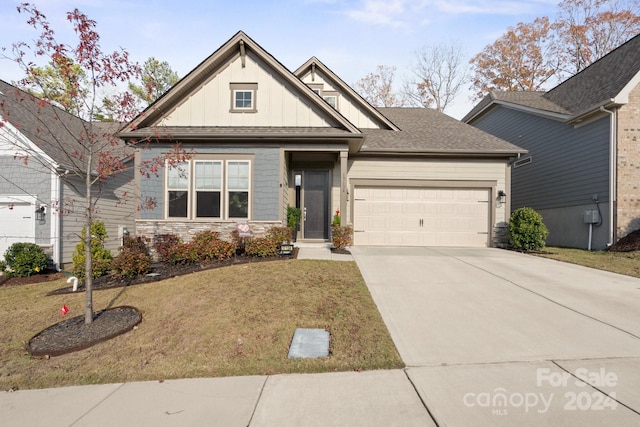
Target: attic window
pixel 331 99
pixel 243 97
pixel 522 162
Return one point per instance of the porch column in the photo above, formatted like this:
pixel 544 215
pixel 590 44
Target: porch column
pixel 344 155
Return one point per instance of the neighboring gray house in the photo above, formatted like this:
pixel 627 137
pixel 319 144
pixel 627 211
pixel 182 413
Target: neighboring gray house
pixel 41 179
pixel 583 164
pixel 264 138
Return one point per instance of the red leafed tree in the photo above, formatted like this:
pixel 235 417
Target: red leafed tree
pixel 92 152
pixel 530 55
pixel 524 58
pixel 590 29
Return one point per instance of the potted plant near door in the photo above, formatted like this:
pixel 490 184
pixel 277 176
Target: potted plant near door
pixel 293 220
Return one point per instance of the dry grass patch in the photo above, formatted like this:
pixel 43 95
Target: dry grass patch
pixel 229 321
pixel 627 263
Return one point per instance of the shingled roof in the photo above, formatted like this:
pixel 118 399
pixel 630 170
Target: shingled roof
pixel 57 133
pixel 600 84
pixel 601 81
pixel 427 131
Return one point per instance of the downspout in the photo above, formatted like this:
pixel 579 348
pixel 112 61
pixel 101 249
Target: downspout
pixel 613 198
pixel 56 192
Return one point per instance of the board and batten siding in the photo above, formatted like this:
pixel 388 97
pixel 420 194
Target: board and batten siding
pixel 353 112
pixel 569 164
pixel 277 103
pixel 433 170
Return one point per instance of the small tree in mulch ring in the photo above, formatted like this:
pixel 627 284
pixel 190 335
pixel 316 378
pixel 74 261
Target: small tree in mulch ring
pixel 74 334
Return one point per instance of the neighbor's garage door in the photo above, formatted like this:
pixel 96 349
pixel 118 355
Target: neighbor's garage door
pixel 16 225
pixel 421 216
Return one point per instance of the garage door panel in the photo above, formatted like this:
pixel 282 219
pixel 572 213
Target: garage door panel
pixel 17 225
pixel 421 216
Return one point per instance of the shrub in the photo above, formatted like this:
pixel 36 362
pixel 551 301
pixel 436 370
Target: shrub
pixel 24 259
pixel 208 246
pixel 526 230
pixel 133 260
pixel 99 254
pixel 205 246
pixel 280 234
pixel 183 253
pixel 261 246
pixel 163 245
pixel 342 237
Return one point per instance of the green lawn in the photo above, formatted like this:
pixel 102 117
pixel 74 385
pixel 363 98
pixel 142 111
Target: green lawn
pixel 627 263
pixel 235 320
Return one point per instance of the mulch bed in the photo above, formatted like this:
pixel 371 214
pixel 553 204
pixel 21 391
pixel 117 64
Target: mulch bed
pixel 73 334
pixel 47 276
pixel 166 271
pixel 629 243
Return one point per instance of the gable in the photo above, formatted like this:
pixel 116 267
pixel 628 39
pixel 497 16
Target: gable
pixel 348 102
pixel 277 102
pixel 345 104
pixel 202 100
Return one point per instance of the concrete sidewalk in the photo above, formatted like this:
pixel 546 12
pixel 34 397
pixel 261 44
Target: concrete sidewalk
pixel 384 398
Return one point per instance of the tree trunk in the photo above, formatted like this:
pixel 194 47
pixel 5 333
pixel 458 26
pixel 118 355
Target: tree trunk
pixel 88 261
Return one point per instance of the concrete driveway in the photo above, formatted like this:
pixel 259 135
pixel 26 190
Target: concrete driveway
pixel 493 337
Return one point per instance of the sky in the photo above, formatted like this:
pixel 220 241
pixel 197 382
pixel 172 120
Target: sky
pixel 351 37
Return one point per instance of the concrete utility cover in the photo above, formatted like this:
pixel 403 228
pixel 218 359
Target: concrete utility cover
pixel 309 343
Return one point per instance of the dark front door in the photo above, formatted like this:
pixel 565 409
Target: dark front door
pixel 315 205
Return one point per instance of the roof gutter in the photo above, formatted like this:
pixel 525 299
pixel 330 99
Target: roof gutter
pixel 613 172
pixel 586 113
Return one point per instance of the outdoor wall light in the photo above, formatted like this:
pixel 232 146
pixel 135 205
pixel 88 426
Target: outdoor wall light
pixel 502 196
pixel 41 211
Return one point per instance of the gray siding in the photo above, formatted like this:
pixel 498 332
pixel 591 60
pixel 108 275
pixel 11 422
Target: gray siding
pixel 569 165
pixel 265 185
pixel 115 206
pixel 31 179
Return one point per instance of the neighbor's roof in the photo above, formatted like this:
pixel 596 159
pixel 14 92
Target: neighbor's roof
pixel 601 81
pixel 605 82
pixel 56 132
pixel 427 131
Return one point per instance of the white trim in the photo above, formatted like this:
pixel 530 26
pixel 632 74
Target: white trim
pixel 623 96
pixel 227 189
pixel 13 142
pixel 54 219
pixel 168 167
pixel 196 190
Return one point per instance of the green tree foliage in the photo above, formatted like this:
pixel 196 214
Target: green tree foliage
pixel 157 78
pixel 61 81
pixel 24 259
pixel 526 230
pixel 100 256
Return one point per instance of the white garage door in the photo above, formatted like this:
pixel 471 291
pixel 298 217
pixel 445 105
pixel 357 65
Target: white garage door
pixel 421 216
pixel 16 224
